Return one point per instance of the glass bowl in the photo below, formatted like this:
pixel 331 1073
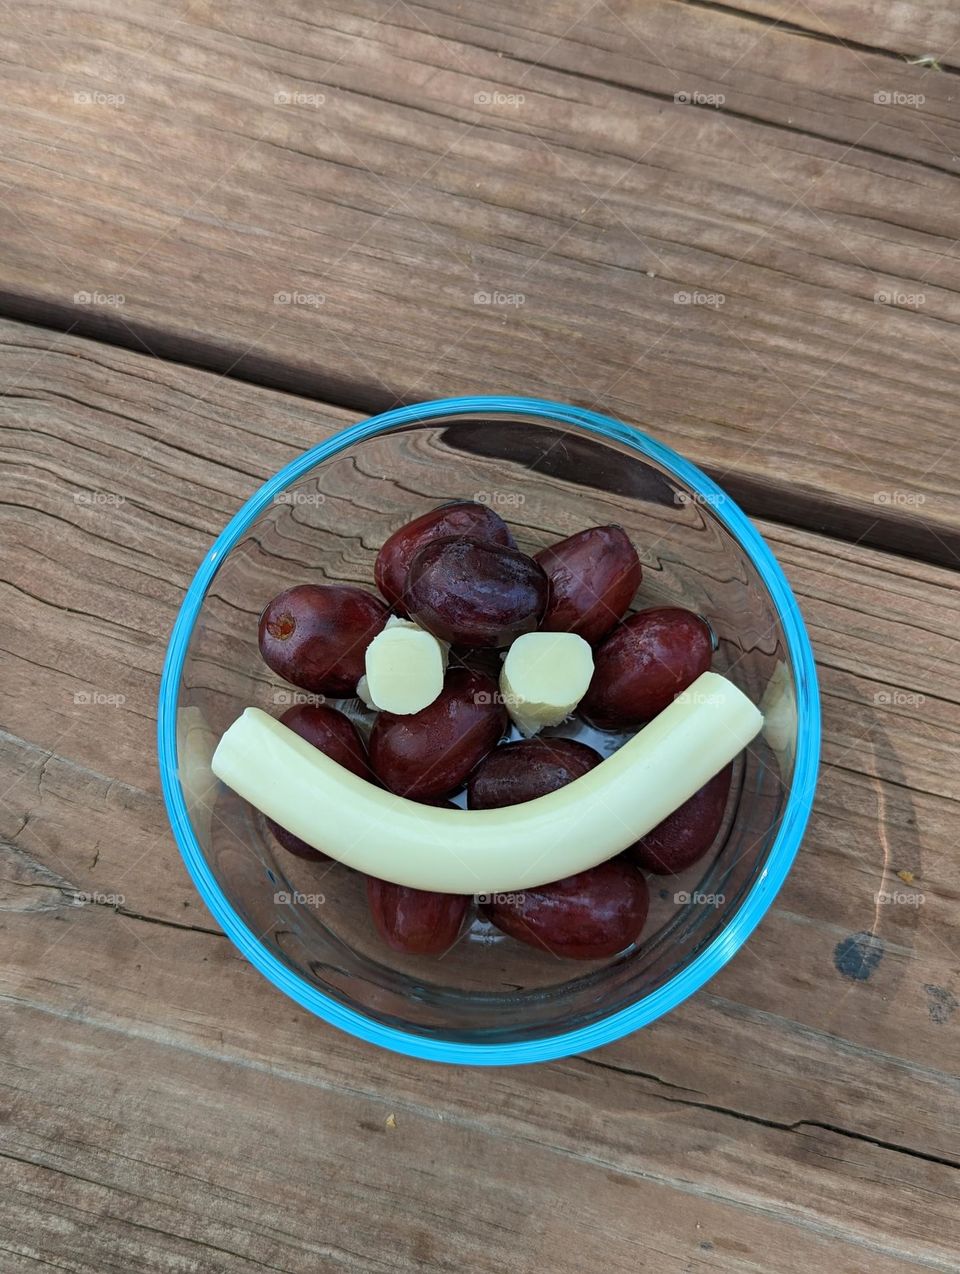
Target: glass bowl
pixel 549 470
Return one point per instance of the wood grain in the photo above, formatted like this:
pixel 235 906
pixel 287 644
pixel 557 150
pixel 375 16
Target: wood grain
pixel 169 1110
pixel 821 183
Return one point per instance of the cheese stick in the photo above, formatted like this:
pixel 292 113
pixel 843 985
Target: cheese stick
pixel 490 851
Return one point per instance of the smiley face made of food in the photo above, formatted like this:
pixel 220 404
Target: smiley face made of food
pixel 554 635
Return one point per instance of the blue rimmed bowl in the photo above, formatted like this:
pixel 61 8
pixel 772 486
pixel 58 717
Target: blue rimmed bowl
pixel 549 470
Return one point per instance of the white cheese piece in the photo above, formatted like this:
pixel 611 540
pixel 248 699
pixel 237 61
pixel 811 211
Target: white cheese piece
pixel 544 677
pixel 404 668
pixel 489 851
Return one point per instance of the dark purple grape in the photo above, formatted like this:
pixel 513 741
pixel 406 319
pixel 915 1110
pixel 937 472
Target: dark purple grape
pixel 462 517
pixel 593 578
pixel 522 771
pixel 685 835
pixel 647 660
pixel 316 635
pixel 474 593
pixel 429 753
pixel 416 921
pixel 589 916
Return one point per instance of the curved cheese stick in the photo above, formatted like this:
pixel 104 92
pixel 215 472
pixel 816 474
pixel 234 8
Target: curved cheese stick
pixel 489 851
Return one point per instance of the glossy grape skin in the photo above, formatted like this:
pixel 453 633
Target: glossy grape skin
pixel 590 916
pixel 316 635
pixel 430 753
pixel 522 771
pixel 461 517
pixel 644 664
pixel 684 836
pixel 472 593
pixel 593 576
pixel 416 921
pixel 337 736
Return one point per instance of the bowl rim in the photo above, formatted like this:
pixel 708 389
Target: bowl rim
pixel 761 894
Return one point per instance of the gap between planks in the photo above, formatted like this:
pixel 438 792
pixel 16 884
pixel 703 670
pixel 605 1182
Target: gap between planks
pixel 784 506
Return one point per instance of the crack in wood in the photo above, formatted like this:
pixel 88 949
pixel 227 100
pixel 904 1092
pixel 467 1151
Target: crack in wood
pixel 796 1126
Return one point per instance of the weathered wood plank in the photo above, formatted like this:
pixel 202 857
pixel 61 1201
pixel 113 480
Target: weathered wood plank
pixel 910 31
pixel 222 181
pixel 762 1111
pixel 280 1168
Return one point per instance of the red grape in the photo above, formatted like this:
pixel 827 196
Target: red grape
pixel 473 593
pixel 685 835
pixel 647 660
pixel 430 753
pixel 316 635
pixel 589 916
pixel 461 517
pixel 593 578
pixel 522 771
pixel 416 921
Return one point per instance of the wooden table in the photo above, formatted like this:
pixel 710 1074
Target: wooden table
pixel 229 230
